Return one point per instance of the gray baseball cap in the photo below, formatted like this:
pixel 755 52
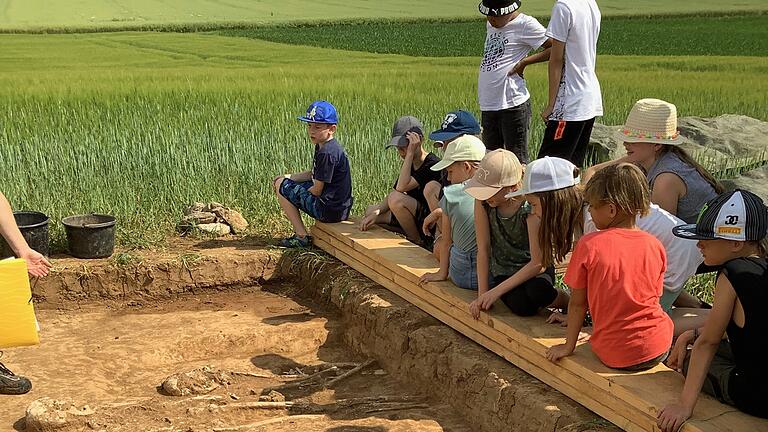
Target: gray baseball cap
pixel 402 126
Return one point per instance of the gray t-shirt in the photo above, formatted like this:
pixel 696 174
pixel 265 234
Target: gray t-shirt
pixel 698 189
pixel 459 206
pixel 509 240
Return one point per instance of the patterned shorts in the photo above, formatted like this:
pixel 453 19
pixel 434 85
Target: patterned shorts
pixel 298 194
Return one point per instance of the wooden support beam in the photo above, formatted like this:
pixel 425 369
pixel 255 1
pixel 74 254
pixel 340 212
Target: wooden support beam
pixel 629 400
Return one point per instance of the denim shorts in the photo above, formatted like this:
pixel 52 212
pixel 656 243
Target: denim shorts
pixel 462 268
pixel 298 194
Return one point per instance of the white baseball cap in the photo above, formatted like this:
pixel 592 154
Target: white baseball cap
pixel 547 174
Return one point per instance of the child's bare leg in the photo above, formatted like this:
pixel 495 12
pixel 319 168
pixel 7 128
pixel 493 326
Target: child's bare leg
pixel 687 300
pixel 291 212
pixel 437 247
pixel 432 194
pixel 403 208
pixel 688 319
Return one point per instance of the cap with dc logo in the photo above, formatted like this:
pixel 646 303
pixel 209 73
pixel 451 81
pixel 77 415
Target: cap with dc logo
pixel 320 112
pixel 738 215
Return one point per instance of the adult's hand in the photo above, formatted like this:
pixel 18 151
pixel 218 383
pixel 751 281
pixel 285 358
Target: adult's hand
pixel 37 264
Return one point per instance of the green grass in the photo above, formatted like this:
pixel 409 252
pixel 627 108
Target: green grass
pixel 661 36
pixel 186 14
pixel 141 124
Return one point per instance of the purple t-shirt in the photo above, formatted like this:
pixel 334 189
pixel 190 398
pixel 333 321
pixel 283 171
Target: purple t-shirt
pixel 331 166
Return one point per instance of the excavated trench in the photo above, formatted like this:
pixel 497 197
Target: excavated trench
pixel 255 340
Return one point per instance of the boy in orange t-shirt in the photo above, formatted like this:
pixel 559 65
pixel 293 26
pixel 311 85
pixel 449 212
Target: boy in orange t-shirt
pixel 619 273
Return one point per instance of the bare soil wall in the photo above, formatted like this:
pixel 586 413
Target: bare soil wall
pixel 482 387
pixel 489 392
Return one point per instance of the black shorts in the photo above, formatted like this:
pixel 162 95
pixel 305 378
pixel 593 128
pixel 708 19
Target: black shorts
pixel 508 129
pixel 567 140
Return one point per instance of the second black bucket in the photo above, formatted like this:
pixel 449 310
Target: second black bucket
pixel 34 227
pixel 91 235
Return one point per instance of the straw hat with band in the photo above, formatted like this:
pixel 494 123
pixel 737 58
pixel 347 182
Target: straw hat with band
pixel 498 169
pixel 498 7
pixel 651 121
pixel 547 174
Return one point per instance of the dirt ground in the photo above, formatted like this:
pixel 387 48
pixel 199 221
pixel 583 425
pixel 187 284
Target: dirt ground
pixel 110 362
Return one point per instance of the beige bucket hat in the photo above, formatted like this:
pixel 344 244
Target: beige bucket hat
pixel 498 169
pixel 651 121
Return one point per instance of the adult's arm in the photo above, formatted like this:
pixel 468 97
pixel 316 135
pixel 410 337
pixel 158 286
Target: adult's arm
pixel 37 264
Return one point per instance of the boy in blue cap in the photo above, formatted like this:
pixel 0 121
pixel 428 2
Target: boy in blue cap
pixel 325 193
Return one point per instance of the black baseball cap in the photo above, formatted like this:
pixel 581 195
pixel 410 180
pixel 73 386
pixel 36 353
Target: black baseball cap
pixel 737 215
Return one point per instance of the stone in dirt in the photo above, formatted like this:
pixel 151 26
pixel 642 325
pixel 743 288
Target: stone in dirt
pixel 272 396
pixel 199 217
pixel 213 205
pixel 215 228
pixel 232 218
pixel 195 207
pixel 48 415
pixel 195 382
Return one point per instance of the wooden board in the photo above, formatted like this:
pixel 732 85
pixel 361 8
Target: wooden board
pixel 629 400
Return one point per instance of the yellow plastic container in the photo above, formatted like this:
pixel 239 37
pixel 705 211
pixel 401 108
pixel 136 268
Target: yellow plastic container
pixel 18 326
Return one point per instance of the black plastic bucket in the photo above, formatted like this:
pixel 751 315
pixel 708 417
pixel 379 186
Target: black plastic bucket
pixel 91 235
pixel 34 227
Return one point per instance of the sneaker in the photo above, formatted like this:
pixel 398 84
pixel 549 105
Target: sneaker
pixel 295 241
pixel 12 384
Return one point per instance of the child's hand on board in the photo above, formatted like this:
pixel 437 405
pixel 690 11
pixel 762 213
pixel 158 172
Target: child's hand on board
pixel 474 309
pixel 672 417
pixel 487 299
pixel 431 277
pixel 557 352
pixel 369 219
pixel 558 318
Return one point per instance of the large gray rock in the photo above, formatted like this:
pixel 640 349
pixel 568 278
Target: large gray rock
pixel 723 142
pixel 755 181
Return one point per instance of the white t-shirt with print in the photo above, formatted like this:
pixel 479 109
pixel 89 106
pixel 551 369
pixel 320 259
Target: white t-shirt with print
pixel 683 256
pixel 577 24
pixel 504 47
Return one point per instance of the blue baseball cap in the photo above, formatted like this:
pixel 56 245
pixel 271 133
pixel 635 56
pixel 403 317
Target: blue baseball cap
pixel 456 123
pixel 320 112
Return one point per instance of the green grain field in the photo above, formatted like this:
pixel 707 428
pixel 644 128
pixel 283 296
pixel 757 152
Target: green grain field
pixel 720 35
pixel 141 124
pixel 36 15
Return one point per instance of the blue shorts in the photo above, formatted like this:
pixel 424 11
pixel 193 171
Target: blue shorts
pixel 298 194
pixel 462 268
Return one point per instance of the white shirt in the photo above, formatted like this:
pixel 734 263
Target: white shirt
pixel 683 256
pixel 504 47
pixel 577 24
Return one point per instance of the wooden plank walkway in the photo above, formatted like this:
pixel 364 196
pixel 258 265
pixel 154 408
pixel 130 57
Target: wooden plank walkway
pixel 629 400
